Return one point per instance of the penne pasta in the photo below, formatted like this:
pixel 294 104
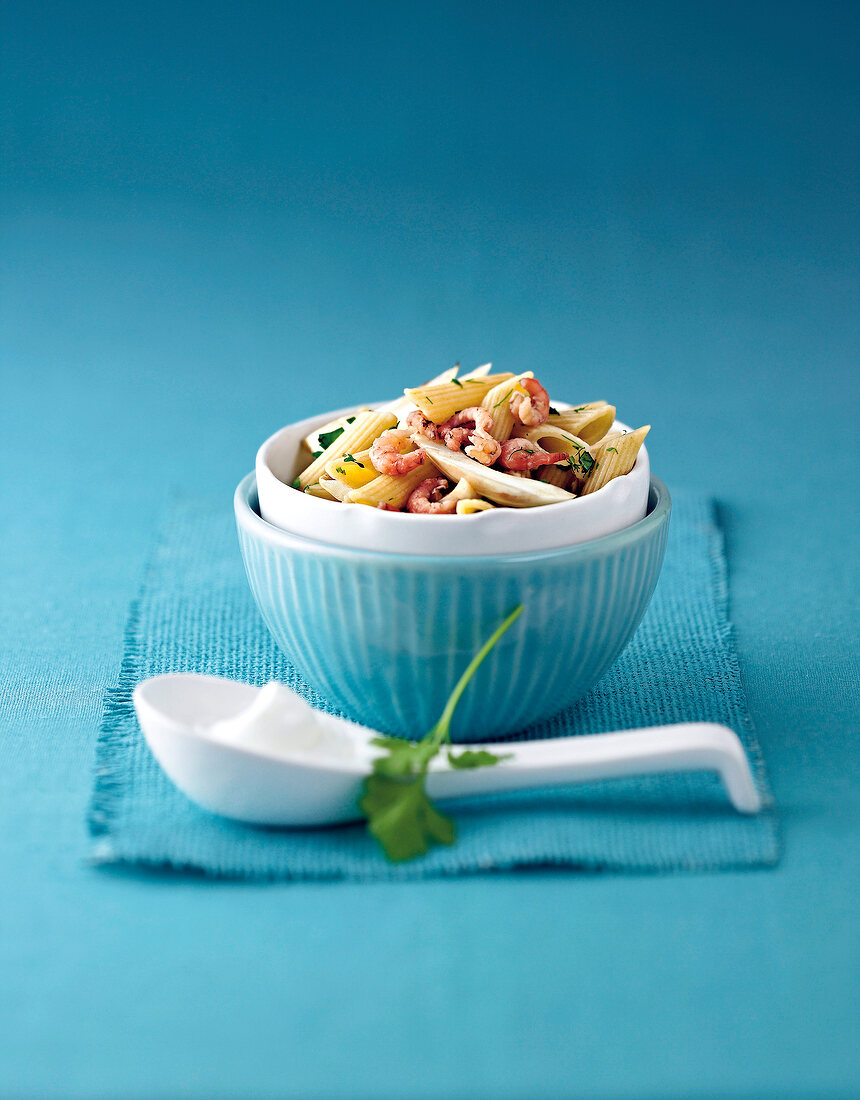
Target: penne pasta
pixel 394 491
pixel 478 372
pixel 357 436
pixel 472 506
pixel 501 488
pixel 316 442
pixel 461 491
pixel 318 489
pixel 439 402
pixel 614 456
pixel 498 402
pixel 554 439
pixel 589 422
pixel 401 406
pixel 562 476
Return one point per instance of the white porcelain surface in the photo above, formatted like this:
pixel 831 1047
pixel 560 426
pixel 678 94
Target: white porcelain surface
pixel 497 531
pixel 292 789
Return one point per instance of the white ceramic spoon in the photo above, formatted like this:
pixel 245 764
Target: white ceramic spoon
pixel 266 785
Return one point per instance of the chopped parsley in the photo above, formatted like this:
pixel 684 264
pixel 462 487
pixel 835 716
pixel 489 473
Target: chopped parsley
pixel 614 450
pixel 503 400
pixel 457 382
pixel 340 469
pixel 553 411
pixel 326 439
pixel 579 409
pixel 581 463
pixel 350 458
pixel 297 484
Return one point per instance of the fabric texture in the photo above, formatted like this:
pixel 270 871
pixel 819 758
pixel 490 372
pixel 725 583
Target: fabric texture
pixel 195 613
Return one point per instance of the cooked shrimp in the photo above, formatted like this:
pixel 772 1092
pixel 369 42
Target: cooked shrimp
pixel 532 408
pixel 428 498
pixel 456 438
pixel 520 454
pixel 472 426
pixel 387 457
pixel 484 449
pixel 481 419
pixel 418 422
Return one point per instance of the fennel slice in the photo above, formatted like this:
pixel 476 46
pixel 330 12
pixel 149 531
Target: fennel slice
pixel 515 492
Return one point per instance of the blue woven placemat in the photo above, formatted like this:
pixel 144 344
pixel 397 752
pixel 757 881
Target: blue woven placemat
pixel 195 613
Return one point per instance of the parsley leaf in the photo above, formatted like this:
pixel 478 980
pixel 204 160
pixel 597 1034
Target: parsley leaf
pixel 403 756
pixel 473 759
pixel 327 438
pixel 614 450
pixel 394 798
pixel 553 411
pixel 402 817
pixel 349 458
pixel 297 484
pixel 581 462
pixel 457 382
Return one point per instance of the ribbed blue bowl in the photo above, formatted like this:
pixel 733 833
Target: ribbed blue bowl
pixel 385 637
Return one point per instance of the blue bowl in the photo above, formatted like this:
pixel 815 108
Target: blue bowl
pixel 385 637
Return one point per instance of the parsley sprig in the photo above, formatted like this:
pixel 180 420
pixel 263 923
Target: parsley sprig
pixel 399 812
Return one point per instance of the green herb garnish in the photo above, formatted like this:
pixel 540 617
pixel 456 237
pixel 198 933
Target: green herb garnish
pixel 457 382
pixel 579 409
pixel 399 812
pixel 297 484
pixel 349 458
pixel 553 411
pixel 503 400
pixel 613 449
pixel 340 469
pixel 472 758
pixel 581 463
pixel 327 438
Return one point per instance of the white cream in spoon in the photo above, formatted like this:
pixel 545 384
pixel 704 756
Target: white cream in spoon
pixel 282 723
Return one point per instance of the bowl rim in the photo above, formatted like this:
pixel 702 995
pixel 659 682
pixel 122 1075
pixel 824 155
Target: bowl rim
pixel 252 522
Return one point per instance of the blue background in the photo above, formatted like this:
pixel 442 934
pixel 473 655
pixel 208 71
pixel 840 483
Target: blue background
pixel 219 217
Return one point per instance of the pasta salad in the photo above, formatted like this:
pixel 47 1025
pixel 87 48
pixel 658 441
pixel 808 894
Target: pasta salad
pixel 459 446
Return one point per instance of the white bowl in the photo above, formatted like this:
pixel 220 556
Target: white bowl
pixel 496 531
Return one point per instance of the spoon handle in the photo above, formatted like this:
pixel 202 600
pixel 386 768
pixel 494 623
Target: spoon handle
pixel 555 762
